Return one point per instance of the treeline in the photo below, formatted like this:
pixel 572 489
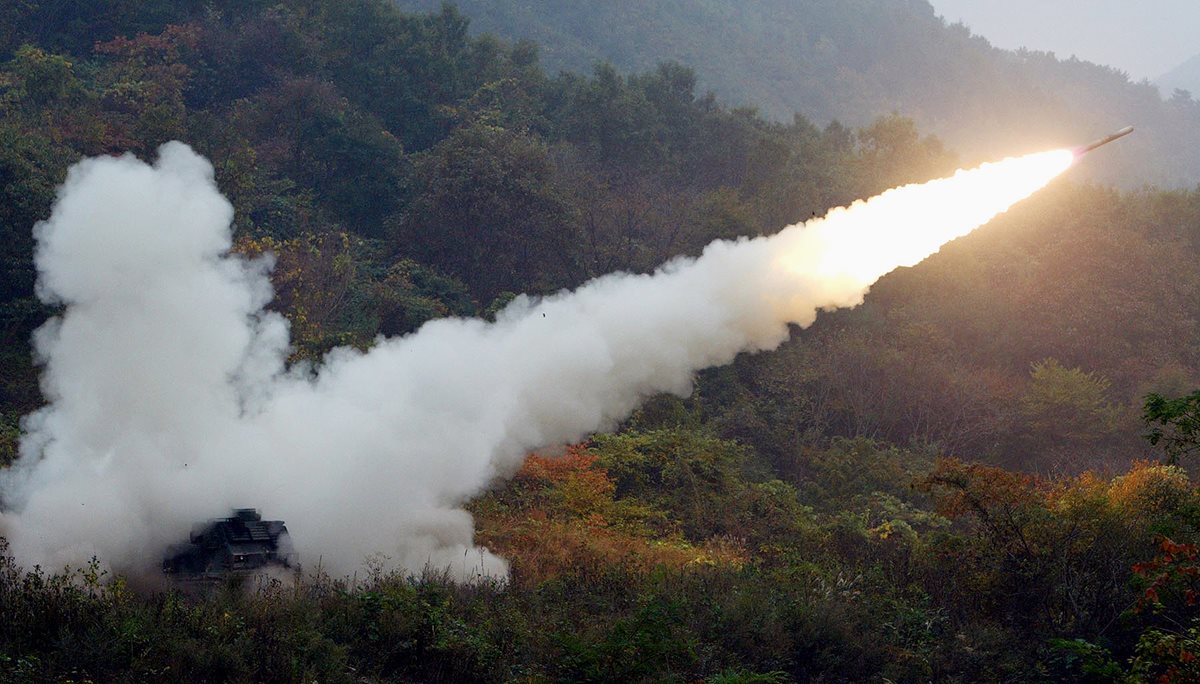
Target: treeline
pixel 853 60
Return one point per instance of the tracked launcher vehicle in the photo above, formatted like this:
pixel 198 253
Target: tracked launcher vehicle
pixel 243 544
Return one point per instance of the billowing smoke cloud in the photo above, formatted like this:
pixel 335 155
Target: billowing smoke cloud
pixel 170 402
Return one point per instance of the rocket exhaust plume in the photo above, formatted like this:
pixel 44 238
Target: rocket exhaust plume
pixel 169 401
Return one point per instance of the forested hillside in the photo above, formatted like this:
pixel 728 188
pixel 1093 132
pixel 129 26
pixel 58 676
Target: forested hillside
pixel 854 61
pixel 947 483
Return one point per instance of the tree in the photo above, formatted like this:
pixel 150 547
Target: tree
pixel 410 294
pixel 892 152
pixel 409 70
pixel 1068 403
pixel 43 76
pixel 613 120
pixel 1056 554
pixel 1174 424
pixel 144 81
pixel 354 166
pixel 489 211
pixel 703 482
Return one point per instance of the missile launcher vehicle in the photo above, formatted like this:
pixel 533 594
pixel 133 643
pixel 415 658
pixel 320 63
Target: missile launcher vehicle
pixel 243 544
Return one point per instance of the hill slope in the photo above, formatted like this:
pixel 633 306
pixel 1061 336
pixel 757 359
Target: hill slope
pixel 400 171
pixel 853 61
pixel 1186 76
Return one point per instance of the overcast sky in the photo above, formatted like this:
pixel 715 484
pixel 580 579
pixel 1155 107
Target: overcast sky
pixel 1145 39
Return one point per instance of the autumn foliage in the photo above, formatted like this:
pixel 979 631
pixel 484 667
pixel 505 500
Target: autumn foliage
pixel 558 517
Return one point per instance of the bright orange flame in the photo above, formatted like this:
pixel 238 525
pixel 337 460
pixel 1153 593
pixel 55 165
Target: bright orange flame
pixel 856 245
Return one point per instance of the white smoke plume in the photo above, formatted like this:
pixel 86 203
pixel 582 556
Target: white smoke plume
pixel 169 402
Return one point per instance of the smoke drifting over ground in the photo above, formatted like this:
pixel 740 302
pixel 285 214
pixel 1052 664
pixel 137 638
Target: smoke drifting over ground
pixel 170 403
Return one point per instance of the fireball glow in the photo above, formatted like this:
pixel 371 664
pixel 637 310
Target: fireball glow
pixel 902 226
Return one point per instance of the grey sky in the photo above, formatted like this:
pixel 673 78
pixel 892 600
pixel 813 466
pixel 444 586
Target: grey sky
pixel 1145 39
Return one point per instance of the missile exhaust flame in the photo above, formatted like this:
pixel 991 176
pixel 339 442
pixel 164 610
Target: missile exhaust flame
pixel 902 226
pixel 170 404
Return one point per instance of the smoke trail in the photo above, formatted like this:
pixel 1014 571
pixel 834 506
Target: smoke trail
pixel 169 402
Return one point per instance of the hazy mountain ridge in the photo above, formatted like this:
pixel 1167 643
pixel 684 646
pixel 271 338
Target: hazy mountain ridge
pixel 853 61
pixel 1186 76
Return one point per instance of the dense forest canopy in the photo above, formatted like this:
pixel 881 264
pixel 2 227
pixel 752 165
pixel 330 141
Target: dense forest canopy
pixel 947 483
pixel 834 60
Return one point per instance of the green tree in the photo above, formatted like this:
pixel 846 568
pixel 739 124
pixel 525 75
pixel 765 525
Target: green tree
pixel 409 70
pixel 1068 403
pixel 707 484
pixel 487 210
pixel 411 294
pixel 354 167
pixel 892 152
pixel 1174 424
pixel 613 120
pixel 43 77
